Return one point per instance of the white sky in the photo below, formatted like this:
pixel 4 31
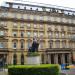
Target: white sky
pixel 65 3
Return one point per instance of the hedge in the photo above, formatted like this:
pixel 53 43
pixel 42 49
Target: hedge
pixel 44 69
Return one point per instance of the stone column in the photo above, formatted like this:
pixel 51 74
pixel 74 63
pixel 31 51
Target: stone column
pixel 69 58
pixel 18 58
pixel 45 58
pixel 63 58
pixel 56 58
pixel 7 59
pixel 10 58
pixel 49 58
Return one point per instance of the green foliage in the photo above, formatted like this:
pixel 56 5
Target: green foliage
pixel 45 69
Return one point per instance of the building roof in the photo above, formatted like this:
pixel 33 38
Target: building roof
pixel 40 7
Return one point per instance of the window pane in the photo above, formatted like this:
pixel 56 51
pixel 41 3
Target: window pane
pixel 28 34
pixel 14 45
pixel 1 32
pixel 22 34
pixel 1 45
pixel 22 45
pixel 14 34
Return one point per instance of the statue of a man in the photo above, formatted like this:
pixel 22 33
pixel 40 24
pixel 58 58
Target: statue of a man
pixel 35 45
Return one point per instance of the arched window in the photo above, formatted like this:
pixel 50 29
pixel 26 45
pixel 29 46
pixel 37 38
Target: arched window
pixel 29 43
pixel 22 33
pixel 14 43
pixel 22 59
pixel 14 59
pixel 22 44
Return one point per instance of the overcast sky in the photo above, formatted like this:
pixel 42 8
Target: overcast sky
pixel 65 3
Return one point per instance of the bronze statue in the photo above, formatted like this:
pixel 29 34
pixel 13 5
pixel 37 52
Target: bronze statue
pixel 34 47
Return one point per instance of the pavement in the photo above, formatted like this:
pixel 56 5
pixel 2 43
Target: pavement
pixel 67 72
pixel 3 71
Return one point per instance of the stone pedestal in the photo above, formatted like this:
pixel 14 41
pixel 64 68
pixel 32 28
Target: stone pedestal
pixel 33 60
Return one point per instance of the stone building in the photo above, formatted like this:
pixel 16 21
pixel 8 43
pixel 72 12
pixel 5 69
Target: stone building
pixel 53 26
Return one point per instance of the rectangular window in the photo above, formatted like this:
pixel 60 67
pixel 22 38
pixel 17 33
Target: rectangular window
pixel 3 24
pixel 64 44
pixel 4 14
pixel 41 45
pixel 15 25
pixel 57 34
pixel 50 35
pixel 22 34
pixel 41 18
pixel 35 34
pixel 28 25
pixel 57 44
pixel 41 26
pixel 1 45
pixel 41 34
pixel 62 35
pixel 1 33
pixel 22 25
pixel 28 34
pixel 35 26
